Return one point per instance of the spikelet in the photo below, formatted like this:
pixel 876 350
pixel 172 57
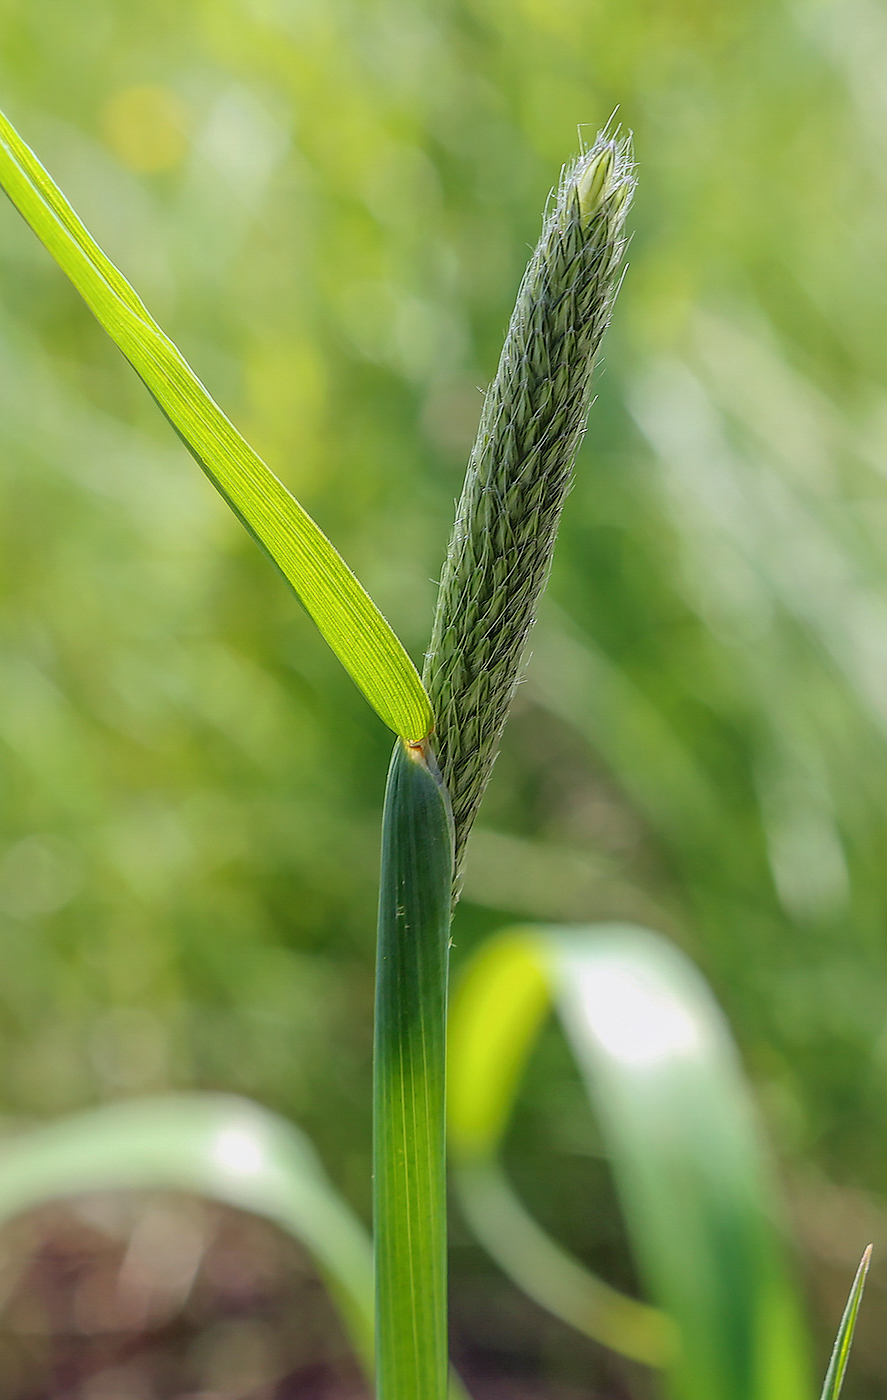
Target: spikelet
pixel 519 472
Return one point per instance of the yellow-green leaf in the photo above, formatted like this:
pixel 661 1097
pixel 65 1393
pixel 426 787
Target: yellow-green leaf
pixel 345 614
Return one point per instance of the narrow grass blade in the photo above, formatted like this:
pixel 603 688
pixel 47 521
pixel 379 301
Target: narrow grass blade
pixel 343 611
pixel 409 1085
pixel 666 1088
pixel 834 1377
pixel 217 1146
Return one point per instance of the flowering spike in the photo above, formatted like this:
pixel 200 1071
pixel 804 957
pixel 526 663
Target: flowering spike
pixel 520 469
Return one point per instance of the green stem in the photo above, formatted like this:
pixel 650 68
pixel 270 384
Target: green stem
pixel 409 1083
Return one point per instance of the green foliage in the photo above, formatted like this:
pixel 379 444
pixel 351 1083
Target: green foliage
pixel 661 1073
pixel 214 1145
pixel 329 208
pixel 409 1148
pixel 345 614
pixel 834 1378
pixel 341 275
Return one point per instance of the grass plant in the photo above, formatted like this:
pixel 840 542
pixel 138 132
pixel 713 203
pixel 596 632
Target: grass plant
pixel 723 1322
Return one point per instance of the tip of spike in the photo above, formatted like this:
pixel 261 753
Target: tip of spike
pixel 603 176
pixel 592 181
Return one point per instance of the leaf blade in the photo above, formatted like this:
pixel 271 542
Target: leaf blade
pixel 664 1082
pixel 343 611
pixel 220 1146
pixel 214 1145
pixel 501 1001
pixel 837 1367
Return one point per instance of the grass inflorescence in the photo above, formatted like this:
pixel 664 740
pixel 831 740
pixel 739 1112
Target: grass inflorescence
pixel 520 468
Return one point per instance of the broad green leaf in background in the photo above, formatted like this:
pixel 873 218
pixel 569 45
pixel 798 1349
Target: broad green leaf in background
pixel 342 610
pixel 665 1085
pixel 834 1377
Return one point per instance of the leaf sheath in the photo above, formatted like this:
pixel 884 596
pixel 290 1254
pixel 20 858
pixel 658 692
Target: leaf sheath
pixel 409 1082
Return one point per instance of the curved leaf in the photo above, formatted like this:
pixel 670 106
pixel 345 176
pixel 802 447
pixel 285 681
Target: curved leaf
pixel 544 1270
pixel 320 578
pixel 217 1146
pixel 665 1084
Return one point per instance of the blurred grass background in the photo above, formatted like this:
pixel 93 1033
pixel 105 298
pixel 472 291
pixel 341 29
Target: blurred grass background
pixel 328 204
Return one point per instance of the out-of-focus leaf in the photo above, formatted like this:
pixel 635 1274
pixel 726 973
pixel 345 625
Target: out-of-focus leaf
pixel 553 1277
pixel 500 1004
pixel 343 611
pixel 214 1145
pixel 666 1087
pixel 834 1376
